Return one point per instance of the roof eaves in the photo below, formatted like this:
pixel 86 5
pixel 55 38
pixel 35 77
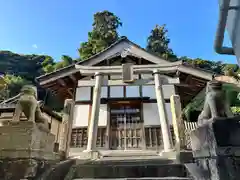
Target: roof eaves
pixel 136 45
pixel 109 47
pixel 198 72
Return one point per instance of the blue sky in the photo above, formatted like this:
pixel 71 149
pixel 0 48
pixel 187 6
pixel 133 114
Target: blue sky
pixel 56 27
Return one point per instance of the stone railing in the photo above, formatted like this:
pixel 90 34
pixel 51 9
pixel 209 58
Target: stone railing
pixel 188 127
pixel 181 128
pixel 3 106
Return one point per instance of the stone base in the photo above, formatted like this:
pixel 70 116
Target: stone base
pixel 210 139
pixel 25 150
pixel 169 155
pixel 184 157
pixel 28 153
pixel 88 155
pixel 25 139
pixel 21 168
pixel 216 150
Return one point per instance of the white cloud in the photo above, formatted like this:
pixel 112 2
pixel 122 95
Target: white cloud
pixel 34 46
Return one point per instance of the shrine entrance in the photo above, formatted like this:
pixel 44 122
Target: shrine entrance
pixel 126 126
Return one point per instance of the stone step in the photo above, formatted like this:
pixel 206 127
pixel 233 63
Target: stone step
pixel 147 178
pixel 128 153
pixel 133 169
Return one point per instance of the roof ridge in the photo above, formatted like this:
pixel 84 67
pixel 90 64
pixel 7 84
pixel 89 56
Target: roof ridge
pixel 79 62
pixel 113 44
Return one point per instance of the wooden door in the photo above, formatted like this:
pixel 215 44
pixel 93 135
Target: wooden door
pixel 125 126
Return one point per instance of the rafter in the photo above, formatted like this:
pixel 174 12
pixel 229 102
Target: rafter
pixel 63 84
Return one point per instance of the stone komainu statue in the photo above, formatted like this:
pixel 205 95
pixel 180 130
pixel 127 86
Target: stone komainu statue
pixel 216 105
pixel 29 105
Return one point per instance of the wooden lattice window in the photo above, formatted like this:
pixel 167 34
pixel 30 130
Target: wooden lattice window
pixel 79 137
pixel 101 137
pixel 153 137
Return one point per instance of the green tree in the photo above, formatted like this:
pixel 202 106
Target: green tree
pixel 104 34
pixel 13 87
pixel 230 68
pixel 48 64
pixel 67 60
pixel 216 67
pixel 158 43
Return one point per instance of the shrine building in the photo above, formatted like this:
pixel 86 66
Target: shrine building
pixel 122 97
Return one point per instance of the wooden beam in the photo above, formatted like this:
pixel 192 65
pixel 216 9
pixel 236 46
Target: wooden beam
pixel 70 92
pixel 49 85
pixel 60 81
pixel 188 79
pixel 137 69
pixel 189 85
pixel 106 82
pixel 65 86
pixel 73 78
pixel 196 72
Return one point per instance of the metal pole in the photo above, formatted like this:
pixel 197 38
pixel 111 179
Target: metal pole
pixel 218 44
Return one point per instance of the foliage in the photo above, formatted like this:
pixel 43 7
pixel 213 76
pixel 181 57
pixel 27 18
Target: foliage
pixel 231 70
pixel 103 34
pixel 236 110
pixel 65 61
pixel 158 43
pixel 21 69
pixel 49 65
pixel 25 66
pixel 13 86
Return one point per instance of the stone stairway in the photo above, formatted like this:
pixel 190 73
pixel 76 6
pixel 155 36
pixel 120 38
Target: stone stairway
pixel 129 165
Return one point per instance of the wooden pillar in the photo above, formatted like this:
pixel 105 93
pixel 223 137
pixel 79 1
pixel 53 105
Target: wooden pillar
pixel 165 128
pixel 178 124
pixel 93 125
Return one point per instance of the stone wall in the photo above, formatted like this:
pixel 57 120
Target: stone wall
pixel 16 168
pixel 216 150
pixel 26 150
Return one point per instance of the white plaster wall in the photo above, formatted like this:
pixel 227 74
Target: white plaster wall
pixel 151 116
pixel 116 91
pixel 132 91
pixel 149 91
pixel 168 91
pixel 104 92
pixel 81 115
pixel 83 94
pixel 103 115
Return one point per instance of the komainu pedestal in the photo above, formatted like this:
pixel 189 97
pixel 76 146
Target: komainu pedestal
pixel 216 150
pixel 25 150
